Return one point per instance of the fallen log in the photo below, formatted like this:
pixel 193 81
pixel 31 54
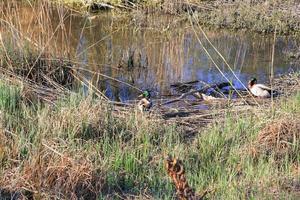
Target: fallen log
pixel 95 7
pixel 185 86
pixel 178 84
pixel 202 90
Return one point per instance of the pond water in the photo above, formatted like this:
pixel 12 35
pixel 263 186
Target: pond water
pixel 153 52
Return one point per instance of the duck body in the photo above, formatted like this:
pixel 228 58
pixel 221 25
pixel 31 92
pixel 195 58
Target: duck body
pixel 259 90
pixel 145 103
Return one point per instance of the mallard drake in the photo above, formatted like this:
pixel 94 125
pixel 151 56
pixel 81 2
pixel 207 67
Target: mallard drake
pixel 259 90
pixel 145 103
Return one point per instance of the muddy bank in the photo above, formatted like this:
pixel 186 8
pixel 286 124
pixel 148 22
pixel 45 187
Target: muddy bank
pixel 194 114
pixel 263 16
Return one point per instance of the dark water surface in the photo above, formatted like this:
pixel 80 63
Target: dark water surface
pixel 152 52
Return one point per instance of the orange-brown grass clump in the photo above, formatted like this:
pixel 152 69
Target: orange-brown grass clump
pixel 279 138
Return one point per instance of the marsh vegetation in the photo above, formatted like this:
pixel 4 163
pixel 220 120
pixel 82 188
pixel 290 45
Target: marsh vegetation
pixel 263 16
pixel 64 137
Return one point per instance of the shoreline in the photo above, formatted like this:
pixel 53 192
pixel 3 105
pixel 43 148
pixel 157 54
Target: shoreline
pixel 262 17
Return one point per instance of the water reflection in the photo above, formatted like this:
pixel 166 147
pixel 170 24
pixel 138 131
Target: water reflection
pixel 178 56
pixel 151 59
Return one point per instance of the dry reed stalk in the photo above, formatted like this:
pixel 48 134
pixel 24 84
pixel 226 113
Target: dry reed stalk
pixel 31 91
pixel 26 51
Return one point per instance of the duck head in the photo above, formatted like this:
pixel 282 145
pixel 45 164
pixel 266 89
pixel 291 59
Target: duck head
pixel 252 82
pixel 145 94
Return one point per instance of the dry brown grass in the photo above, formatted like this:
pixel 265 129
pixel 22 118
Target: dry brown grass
pixel 278 138
pixel 49 173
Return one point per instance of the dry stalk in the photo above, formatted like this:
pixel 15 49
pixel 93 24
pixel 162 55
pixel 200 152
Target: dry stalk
pixel 175 170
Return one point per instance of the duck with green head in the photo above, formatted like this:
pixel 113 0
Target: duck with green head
pixel 145 103
pixel 259 90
